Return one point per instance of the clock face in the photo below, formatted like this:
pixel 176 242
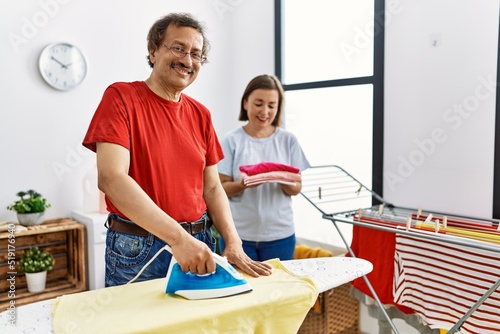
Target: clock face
pixel 62 66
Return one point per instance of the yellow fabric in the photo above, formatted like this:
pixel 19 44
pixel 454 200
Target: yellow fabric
pixel 278 304
pixel 306 252
pixel 492 237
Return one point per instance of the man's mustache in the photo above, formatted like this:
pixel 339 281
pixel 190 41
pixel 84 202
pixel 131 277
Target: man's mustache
pixel 181 65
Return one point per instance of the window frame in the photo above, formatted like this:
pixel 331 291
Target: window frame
pixel 377 80
pixel 496 158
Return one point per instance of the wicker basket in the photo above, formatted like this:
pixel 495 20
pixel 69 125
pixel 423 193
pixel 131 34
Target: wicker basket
pixel 336 312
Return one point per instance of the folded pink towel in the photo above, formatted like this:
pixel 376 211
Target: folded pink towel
pixel 265 167
pixel 279 176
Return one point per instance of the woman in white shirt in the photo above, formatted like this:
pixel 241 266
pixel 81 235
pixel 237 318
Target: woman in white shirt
pixel 262 213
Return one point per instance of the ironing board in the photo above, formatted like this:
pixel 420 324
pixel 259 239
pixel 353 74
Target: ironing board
pixel 342 198
pixel 329 272
pixel 326 273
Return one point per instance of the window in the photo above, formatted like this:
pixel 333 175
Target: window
pixel 334 126
pixel 329 57
pixel 327 40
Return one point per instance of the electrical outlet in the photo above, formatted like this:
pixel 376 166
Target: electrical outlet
pixel 436 40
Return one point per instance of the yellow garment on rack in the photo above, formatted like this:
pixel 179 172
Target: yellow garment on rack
pixel 493 237
pixel 482 236
pixel 278 304
pixel 306 252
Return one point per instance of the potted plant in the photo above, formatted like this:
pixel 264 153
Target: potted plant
pixel 30 207
pixel 35 263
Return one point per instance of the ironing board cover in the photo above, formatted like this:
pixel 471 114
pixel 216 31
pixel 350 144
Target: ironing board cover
pixel 278 304
pixel 329 272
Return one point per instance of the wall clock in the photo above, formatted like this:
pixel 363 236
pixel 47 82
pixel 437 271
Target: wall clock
pixel 62 65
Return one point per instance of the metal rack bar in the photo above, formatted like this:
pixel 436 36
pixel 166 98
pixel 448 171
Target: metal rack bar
pixel 368 284
pixel 458 325
pixel 344 209
pixel 416 233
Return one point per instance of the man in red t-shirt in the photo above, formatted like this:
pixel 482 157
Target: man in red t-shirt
pixel 157 155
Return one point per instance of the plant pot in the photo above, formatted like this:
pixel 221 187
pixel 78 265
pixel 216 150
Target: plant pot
pixel 36 281
pixel 30 219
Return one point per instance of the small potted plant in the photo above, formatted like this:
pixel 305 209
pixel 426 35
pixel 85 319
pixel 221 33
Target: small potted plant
pixel 30 207
pixel 35 263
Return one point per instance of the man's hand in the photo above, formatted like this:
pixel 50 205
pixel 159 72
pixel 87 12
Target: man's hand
pixel 193 256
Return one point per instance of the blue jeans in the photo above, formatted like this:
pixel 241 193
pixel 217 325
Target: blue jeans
pixel 282 249
pixel 126 255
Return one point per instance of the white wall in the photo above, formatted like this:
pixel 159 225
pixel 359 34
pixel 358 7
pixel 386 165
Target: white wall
pixel 41 129
pixel 440 105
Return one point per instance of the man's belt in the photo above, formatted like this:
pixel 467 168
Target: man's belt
pixel 199 226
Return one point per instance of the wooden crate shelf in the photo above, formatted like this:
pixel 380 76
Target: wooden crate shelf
pixel 65 240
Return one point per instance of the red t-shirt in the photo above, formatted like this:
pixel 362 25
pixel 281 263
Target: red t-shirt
pixel 170 144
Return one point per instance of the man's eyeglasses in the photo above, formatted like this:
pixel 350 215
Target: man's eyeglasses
pixel 179 52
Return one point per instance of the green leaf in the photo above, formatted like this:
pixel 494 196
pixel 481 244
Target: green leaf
pixel 31 204
pixel 35 260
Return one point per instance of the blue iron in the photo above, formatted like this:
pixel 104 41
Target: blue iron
pixel 224 282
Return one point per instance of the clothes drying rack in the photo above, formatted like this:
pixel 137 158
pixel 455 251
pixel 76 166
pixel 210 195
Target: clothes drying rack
pixel 342 198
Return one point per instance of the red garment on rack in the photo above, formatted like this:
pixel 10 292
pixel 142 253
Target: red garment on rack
pixel 378 247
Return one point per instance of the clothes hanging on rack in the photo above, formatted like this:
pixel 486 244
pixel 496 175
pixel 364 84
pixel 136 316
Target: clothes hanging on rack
pixel 377 247
pixel 441 282
pixel 343 199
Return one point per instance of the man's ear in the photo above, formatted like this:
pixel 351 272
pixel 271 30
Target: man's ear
pixel 152 56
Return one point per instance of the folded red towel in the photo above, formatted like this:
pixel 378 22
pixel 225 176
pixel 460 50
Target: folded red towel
pixel 265 167
pixel 279 176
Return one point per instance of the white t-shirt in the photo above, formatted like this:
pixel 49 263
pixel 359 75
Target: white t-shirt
pixel 263 213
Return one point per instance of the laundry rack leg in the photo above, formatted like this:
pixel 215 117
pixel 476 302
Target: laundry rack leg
pixel 367 281
pixel 474 307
